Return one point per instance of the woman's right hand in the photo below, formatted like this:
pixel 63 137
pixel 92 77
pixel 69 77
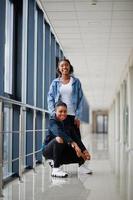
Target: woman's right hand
pixel 77 122
pixel 59 139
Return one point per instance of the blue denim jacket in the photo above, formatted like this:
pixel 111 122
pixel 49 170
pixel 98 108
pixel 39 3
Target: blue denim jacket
pixel 54 96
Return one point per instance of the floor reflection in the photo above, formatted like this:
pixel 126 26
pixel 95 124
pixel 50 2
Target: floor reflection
pixel 125 174
pixel 130 177
pixel 103 184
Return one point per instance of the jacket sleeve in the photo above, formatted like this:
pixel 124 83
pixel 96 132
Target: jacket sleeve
pixel 56 130
pixel 79 101
pixel 51 99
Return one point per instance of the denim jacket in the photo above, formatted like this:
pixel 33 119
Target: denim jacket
pixel 54 96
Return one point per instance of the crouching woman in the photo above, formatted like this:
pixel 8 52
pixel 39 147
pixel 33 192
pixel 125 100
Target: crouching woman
pixel 62 145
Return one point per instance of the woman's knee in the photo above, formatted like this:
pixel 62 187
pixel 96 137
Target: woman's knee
pixel 59 140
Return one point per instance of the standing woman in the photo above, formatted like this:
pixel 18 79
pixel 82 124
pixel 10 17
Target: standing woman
pixel 67 88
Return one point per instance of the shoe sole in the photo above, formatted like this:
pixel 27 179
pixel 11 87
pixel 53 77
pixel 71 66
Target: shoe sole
pixel 90 173
pixel 53 175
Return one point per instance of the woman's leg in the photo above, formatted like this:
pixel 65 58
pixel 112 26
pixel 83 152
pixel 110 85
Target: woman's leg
pixel 70 156
pixel 54 151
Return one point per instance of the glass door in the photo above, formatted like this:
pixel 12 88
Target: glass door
pixel 102 123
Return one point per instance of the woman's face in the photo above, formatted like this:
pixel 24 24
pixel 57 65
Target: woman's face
pixel 64 68
pixel 61 113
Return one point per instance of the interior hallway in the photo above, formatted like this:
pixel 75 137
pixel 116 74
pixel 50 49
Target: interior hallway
pixel 103 184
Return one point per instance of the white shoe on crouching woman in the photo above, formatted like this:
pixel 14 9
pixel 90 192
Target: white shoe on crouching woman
pixel 84 169
pixel 57 172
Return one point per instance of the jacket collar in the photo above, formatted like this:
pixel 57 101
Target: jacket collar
pixel 74 79
pixel 55 119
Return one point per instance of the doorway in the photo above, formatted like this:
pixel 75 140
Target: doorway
pixel 102 124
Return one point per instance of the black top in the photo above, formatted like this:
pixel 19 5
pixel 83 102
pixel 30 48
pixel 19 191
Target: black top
pixel 63 130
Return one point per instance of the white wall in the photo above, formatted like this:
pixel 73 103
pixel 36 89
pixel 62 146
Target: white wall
pixel 121 132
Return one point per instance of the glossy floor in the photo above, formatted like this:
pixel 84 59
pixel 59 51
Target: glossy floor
pixel 103 184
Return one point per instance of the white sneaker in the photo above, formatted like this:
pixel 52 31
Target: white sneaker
pixel 83 169
pixel 57 172
pixel 51 163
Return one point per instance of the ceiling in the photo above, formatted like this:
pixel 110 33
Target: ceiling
pixel 97 39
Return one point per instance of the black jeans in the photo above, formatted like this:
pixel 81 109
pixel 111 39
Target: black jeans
pixel 61 153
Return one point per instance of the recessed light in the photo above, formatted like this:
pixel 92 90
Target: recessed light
pixel 93 2
pixel 93 22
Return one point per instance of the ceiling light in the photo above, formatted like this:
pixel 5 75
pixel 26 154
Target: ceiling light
pixel 93 2
pixel 93 22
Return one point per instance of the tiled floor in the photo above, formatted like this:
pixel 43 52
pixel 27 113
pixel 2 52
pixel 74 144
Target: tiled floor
pixel 102 185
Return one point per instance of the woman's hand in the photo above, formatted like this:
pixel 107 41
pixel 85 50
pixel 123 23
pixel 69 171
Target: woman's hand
pixel 87 155
pixel 77 149
pixel 59 139
pixel 77 122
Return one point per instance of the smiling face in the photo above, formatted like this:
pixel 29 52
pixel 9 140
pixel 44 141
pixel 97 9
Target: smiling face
pixel 64 68
pixel 61 113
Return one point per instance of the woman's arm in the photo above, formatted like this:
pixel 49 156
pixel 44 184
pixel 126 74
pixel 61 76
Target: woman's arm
pixel 57 130
pixel 51 99
pixel 87 155
pixel 79 102
pixel 78 150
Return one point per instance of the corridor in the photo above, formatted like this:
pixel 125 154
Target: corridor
pixel 103 184
pixel 96 36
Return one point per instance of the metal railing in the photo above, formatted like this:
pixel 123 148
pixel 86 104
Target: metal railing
pixel 21 132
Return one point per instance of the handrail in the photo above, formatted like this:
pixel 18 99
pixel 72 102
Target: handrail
pixel 14 102
pixel 21 132
pixel 27 131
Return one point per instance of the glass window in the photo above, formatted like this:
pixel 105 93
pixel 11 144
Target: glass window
pixel 53 58
pixel 105 124
pixel 7 146
pixel 39 80
pixel 43 88
pixel 24 50
pixel 35 58
pixel 8 48
pixel 100 124
pixel 47 62
pixel 125 113
pixel 24 67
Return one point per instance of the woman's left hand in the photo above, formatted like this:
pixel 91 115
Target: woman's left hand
pixel 77 122
pixel 87 155
pixel 77 149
